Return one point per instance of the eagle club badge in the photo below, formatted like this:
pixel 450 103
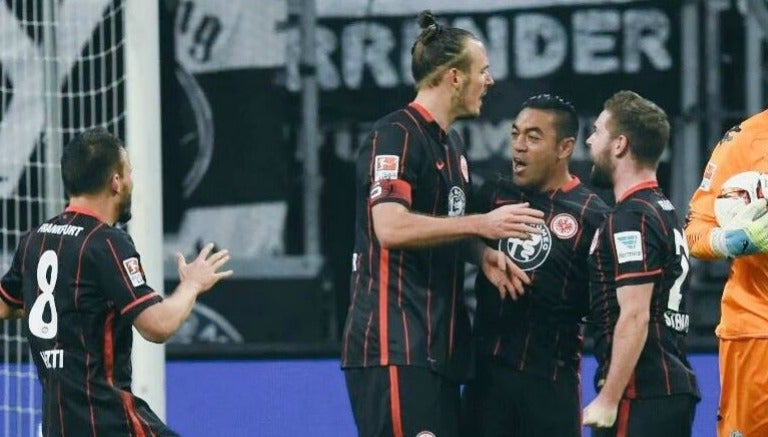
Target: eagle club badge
pixel 133 268
pixel 564 226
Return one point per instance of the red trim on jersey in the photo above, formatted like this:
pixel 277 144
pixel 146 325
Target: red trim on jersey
pixel 453 311
pixel 423 111
pixel 402 312
pixel 638 274
pixel 8 297
pixel 394 402
pixel 138 302
pixel 393 190
pixel 573 183
pixel 80 263
pixel 383 306
pixel 365 342
pixel 109 348
pixel 88 387
pixel 663 361
pixel 130 409
pixel 637 187
pixel 84 211
pixel 631 389
pixel 622 421
pixel 61 412
pixel 405 148
pixel 120 268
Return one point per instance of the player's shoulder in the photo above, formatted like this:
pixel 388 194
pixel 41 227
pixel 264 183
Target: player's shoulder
pixel 107 238
pixel 398 120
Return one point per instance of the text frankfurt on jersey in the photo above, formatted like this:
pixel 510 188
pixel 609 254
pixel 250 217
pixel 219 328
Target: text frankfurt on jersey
pixel 67 230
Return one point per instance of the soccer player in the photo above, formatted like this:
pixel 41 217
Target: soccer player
pixel 529 347
pixel 407 341
pixel 78 282
pixel 743 328
pixel 638 272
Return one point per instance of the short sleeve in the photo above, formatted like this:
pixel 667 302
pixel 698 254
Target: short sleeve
pixel 637 246
pixel 10 284
pixel 391 164
pixel 122 276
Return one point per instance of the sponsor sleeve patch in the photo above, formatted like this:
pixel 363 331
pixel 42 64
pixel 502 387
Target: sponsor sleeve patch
pixel 709 173
pixel 133 268
pixel 386 167
pixel 629 246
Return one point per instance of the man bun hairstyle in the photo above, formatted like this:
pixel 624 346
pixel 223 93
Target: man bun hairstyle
pixel 436 49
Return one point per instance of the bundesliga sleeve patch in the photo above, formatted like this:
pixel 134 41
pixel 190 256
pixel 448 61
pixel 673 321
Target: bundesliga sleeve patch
pixel 629 246
pixel 709 173
pixel 133 268
pixel 386 167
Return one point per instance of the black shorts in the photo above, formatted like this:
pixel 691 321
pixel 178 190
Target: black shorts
pixel 668 416
pixel 503 401
pixel 403 401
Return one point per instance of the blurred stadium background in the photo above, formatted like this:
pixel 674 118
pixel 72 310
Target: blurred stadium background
pixel 243 118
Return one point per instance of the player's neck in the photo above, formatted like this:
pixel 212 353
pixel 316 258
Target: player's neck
pixel 438 104
pixel 103 209
pixel 562 179
pixel 624 179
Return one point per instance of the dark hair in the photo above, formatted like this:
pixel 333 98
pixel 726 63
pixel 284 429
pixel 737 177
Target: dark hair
pixel 645 125
pixel 437 48
pixel 89 160
pixel 566 120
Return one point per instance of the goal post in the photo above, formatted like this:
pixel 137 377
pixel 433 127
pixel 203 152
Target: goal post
pixel 143 140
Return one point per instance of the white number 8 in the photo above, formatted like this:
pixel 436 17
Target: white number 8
pixel 37 326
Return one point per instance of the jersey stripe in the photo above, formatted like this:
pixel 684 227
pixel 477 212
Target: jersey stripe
pixel 383 306
pixel 138 301
pixel 394 402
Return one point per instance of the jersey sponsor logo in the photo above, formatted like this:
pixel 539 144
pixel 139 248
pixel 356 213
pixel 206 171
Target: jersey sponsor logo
pixel 457 202
pixel 528 254
pixel 666 205
pixel 564 226
pixel 386 167
pixel 676 321
pixel 593 244
pixel 709 173
pixel 629 246
pixel 464 168
pixel 53 358
pixel 133 268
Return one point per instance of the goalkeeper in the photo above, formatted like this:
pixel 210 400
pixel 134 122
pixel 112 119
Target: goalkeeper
pixel 743 328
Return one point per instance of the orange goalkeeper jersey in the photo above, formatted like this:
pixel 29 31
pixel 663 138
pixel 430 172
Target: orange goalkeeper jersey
pixel 745 298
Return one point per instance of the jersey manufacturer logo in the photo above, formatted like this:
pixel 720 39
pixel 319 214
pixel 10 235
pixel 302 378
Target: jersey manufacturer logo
pixel 709 173
pixel 528 254
pixel 439 165
pixel 53 358
pixel 629 246
pixel 464 168
pixel 133 268
pixel 457 202
pixel 386 167
pixel 564 226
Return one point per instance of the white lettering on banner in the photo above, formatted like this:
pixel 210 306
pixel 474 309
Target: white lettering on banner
pixel 603 41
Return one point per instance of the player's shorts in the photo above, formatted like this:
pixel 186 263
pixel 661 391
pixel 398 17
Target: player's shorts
pixel 503 401
pixel 653 417
pixel 743 388
pixel 403 401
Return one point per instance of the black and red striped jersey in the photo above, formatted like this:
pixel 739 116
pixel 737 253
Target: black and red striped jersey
pixel 640 242
pixel 406 306
pixel 81 284
pixel 541 332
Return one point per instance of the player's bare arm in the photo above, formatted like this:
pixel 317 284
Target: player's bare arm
pixel 629 338
pixel 398 228
pixel 159 322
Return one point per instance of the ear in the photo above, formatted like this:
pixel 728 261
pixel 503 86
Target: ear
pixel 620 146
pixel 455 76
pixel 565 148
pixel 115 183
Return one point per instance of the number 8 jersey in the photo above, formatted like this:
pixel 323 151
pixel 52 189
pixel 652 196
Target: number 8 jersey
pixel 81 285
pixel 641 242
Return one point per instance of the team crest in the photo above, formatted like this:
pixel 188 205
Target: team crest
pixel 457 202
pixel 464 168
pixel 133 268
pixel 564 226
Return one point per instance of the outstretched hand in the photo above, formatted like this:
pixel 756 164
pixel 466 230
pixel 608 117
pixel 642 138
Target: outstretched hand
pixel 202 273
pixel 504 274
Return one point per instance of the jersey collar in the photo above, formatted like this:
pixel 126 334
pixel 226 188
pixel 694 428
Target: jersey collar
pixel 84 211
pixel 638 187
pixel 429 121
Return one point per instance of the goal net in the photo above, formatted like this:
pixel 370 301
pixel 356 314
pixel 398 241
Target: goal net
pixel 61 71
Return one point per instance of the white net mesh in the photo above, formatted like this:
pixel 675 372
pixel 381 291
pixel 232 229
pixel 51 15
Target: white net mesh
pixel 61 71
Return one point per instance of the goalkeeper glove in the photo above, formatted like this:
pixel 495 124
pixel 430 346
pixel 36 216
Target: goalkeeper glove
pixel 746 234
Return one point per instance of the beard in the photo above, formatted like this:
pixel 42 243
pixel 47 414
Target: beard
pixel 459 101
pixel 125 211
pixel 602 174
